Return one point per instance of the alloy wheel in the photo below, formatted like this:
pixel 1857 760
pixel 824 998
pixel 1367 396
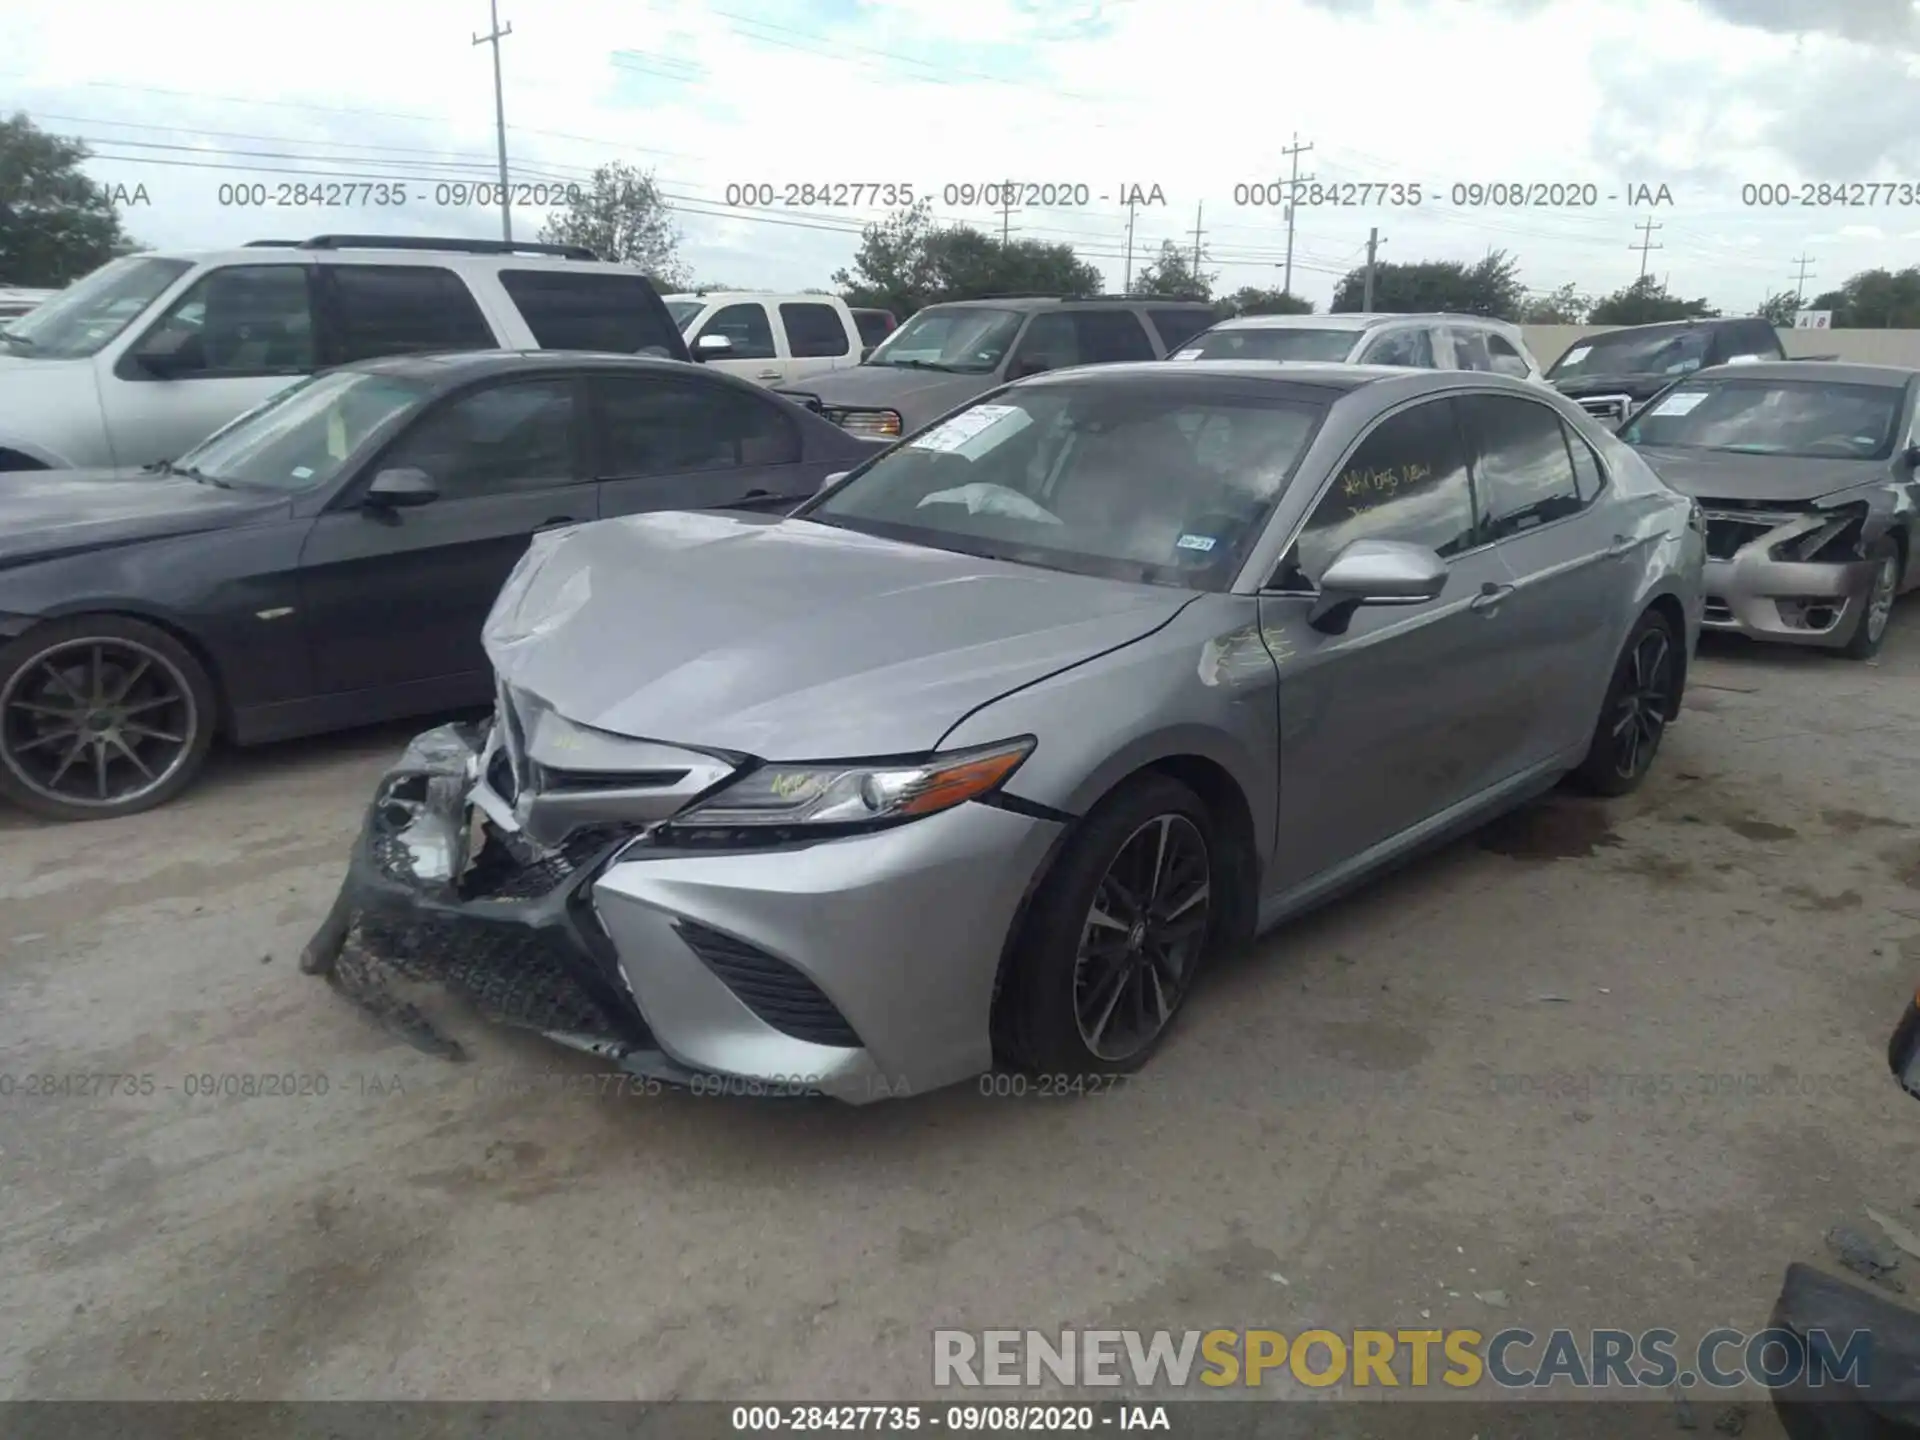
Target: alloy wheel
pixel 1143 937
pixel 1642 703
pixel 96 722
pixel 1886 580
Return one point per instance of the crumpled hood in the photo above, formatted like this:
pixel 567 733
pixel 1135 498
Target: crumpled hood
pixel 1769 479
pixel 47 513
pixel 919 395
pixel 790 640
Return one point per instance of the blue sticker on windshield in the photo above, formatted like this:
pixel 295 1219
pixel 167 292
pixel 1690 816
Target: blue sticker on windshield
pixel 1194 542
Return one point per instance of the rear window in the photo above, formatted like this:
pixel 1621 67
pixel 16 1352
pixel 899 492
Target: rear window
pixel 1176 327
pixel 619 314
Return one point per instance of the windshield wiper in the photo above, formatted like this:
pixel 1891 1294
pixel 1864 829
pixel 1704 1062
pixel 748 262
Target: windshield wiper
pixel 12 339
pixel 921 365
pixel 167 467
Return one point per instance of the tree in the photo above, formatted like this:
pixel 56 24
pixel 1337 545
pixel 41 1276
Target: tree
pixel 1779 310
pixel 1646 302
pixel 1876 299
pixel 1252 300
pixel 1565 306
pixel 906 262
pixel 1489 287
pixel 56 222
pixel 623 217
pixel 1171 273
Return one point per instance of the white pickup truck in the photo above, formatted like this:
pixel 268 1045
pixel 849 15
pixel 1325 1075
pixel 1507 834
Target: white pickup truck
pixel 767 338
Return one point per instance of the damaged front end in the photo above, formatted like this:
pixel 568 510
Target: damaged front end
pixel 474 868
pixel 1801 572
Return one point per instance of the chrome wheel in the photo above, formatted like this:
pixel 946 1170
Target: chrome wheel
pixel 1642 703
pixel 1143 937
pixel 1886 580
pixel 96 722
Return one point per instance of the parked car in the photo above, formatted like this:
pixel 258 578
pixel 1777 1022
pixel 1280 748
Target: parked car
pixel 875 326
pixel 1806 473
pixel 1421 342
pixel 150 354
pixel 15 301
pixel 768 338
pixel 327 559
pixel 1615 372
pixel 946 355
pixel 999 737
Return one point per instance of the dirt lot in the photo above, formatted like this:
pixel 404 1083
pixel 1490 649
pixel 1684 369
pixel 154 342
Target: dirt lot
pixel 1399 1105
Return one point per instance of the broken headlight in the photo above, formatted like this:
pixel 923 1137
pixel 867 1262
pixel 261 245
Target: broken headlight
pixel 1837 539
pixel 777 802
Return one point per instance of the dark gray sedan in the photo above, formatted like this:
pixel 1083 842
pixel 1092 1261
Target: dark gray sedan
pixel 1806 473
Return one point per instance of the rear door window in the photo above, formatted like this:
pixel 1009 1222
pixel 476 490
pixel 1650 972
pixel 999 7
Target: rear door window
pixel 1411 348
pixel 814 331
pixel 399 310
pixel 1176 327
pixel 568 310
pixel 1107 336
pixel 1522 466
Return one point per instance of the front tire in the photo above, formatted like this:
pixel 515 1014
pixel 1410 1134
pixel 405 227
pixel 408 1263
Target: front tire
pixel 1116 934
pixel 1641 698
pixel 100 716
pixel 1876 607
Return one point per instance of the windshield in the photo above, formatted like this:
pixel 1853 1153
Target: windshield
pixel 304 435
pixel 1665 352
pixel 969 341
pixel 1812 420
pixel 1168 484
pixel 683 311
pixel 90 312
pixel 1277 343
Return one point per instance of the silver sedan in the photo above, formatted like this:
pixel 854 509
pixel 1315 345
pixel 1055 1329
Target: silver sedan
pixel 982 753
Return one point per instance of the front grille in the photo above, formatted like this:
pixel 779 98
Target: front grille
pixel 550 781
pixel 1726 534
pixel 509 868
pixel 771 988
pixel 515 974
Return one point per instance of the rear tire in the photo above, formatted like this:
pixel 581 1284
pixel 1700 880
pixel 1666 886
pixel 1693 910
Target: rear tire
pixel 1116 934
pixel 1641 698
pixel 100 716
pixel 1876 608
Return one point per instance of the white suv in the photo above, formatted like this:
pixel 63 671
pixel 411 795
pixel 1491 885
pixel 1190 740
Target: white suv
pixel 768 338
pixel 1418 342
pixel 151 353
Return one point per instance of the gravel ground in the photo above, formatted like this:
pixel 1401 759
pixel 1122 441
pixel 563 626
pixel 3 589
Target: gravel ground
pixel 1615 1064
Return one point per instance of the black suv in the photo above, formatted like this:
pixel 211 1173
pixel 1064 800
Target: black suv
pixel 1613 373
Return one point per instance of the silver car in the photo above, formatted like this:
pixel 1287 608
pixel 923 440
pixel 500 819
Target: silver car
pixel 984 750
pixel 1807 474
pixel 1421 342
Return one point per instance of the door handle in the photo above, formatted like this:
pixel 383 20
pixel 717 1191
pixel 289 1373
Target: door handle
pixel 769 374
pixel 1623 545
pixel 1491 594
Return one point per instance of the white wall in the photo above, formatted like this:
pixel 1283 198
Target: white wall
pixel 1871 347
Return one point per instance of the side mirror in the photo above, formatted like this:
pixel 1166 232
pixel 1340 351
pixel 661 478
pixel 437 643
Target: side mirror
pixel 165 356
pixel 401 489
pixel 866 351
pixel 1376 572
pixel 712 347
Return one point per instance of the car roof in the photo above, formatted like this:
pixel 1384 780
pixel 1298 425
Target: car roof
pixel 1352 320
pixel 1839 372
pixel 288 252
pixel 1041 302
pixel 1329 376
pixel 456 366
pixel 1700 322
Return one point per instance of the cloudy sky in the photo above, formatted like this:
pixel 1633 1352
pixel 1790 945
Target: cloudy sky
pixel 1194 97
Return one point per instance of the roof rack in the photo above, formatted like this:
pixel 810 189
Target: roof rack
pixel 1078 299
pixel 431 242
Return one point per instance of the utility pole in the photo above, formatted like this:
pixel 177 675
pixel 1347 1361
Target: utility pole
pixel 1374 242
pixel 1800 285
pixel 1295 150
pixel 1646 227
pixel 1006 212
pixel 1126 285
pixel 500 114
pixel 1197 211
